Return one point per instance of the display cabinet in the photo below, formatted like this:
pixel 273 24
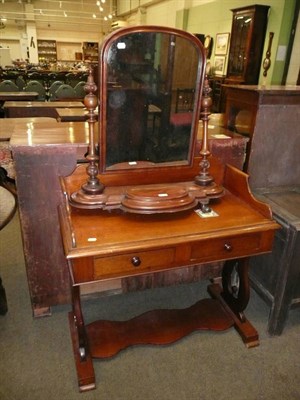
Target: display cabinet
pixel 47 51
pixel 90 51
pixel 248 32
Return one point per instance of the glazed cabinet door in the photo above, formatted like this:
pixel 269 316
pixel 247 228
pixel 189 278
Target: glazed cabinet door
pixel 246 44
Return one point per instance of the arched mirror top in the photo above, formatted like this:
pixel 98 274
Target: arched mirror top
pixel 150 84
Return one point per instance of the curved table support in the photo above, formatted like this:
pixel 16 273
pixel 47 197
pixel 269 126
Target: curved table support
pixel 104 339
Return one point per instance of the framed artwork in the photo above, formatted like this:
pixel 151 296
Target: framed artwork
pixel 222 42
pixel 219 65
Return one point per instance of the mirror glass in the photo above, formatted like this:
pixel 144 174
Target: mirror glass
pixel 149 86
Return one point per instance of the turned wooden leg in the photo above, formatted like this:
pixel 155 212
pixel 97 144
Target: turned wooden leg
pixel 83 359
pixel 234 297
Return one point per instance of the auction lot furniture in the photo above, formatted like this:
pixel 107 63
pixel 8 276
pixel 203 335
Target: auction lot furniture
pixel 19 109
pixel 102 246
pixel 137 210
pixel 16 96
pixel 9 125
pixel 274 169
pixel 263 113
pixel 71 114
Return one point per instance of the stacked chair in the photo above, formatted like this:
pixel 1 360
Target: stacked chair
pixel 65 92
pixel 52 89
pixel 8 86
pixel 35 86
pixel 79 89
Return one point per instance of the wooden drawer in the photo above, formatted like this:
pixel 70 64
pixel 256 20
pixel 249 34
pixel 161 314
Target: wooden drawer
pixel 133 263
pixel 225 248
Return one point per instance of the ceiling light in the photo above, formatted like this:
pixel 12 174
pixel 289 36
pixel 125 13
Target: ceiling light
pixel 94 16
pixel 65 14
pixel 105 18
pixel 60 4
pixel 100 9
pixel 98 3
pixel 110 16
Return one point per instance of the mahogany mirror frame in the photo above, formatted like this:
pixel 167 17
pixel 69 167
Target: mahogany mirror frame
pixel 141 172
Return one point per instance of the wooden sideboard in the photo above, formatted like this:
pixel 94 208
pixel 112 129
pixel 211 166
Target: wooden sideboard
pixel 263 113
pixel 41 156
pixel 22 109
pixel 101 245
pixel 274 169
pixel 18 96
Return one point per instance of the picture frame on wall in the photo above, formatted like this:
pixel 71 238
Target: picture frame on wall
pixel 219 65
pixel 222 43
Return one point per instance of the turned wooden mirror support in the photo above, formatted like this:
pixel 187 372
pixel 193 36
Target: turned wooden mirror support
pixel 93 186
pixel 204 178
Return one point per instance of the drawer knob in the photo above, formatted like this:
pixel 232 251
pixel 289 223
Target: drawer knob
pixel 227 247
pixel 136 261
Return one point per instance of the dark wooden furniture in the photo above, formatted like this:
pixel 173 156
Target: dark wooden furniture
pixel 276 276
pixel 18 96
pixel 274 169
pixel 21 109
pixel 125 217
pixel 71 114
pixel 247 40
pixel 263 113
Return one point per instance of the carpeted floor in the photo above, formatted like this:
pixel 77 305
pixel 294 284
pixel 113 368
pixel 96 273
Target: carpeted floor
pixel 36 360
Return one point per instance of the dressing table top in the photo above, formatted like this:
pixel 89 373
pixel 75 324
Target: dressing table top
pixel 88 233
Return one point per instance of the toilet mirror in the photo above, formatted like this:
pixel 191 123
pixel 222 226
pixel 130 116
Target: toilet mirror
pixel 150 85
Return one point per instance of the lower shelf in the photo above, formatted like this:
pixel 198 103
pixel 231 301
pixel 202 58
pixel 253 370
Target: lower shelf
pixel 106 338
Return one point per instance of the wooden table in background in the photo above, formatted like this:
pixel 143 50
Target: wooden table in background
pixel 72 114
pixel 8 125
pixel 18 96
pixel 18 109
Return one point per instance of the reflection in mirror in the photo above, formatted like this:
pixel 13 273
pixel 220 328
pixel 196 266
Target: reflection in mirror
pixel 148 116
